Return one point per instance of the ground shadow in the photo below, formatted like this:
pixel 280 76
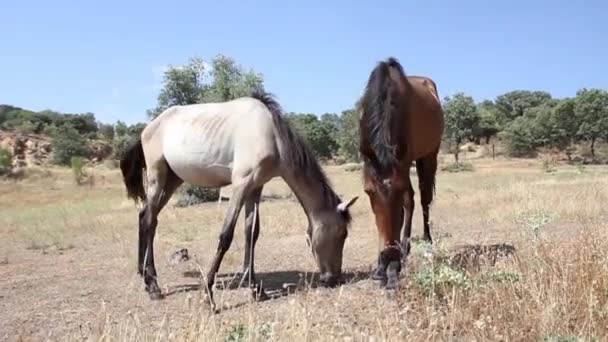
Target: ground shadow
pixel 276 283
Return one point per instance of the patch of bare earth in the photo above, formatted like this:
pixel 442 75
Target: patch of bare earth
pixel 68 264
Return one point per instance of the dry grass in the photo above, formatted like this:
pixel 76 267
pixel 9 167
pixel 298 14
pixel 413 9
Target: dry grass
pixel 67 264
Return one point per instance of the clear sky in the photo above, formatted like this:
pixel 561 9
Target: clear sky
pixel 106 56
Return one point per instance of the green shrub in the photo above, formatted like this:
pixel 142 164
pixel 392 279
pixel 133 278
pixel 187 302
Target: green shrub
pixel 190 195
pixel 120 146
pixel 77 164
pixel 441 278
pixel 68 143
pixel 458 167
pixel 6 161
pixel 521 137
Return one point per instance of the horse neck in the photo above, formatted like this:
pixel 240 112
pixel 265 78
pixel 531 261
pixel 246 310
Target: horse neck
pixel 315 195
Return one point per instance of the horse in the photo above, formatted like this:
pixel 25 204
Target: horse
pixel 244 142
pixel 401 120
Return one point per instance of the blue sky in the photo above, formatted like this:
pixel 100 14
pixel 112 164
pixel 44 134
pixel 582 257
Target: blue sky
pixel 107 56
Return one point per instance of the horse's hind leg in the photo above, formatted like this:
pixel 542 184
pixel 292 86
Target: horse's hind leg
pixel 426 174
pixel 162 182
pixel 252 231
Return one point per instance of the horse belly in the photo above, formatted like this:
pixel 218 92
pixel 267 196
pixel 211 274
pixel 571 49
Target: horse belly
pixel 199 161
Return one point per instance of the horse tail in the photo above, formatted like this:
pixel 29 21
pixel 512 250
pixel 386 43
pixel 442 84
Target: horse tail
pixel 132 165
pixel 380 104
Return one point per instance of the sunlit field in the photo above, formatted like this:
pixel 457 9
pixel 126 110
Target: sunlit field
pixel 68 263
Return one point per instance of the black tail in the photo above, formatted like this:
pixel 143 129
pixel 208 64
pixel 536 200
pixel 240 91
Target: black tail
pixel 132 166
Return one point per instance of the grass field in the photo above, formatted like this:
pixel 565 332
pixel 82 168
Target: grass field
pixel 68 264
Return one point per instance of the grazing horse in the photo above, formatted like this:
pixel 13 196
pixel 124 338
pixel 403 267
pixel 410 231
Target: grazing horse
pixel 244 142
pixel 400 121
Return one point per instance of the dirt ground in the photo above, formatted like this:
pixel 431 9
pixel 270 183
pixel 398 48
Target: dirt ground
pixel 68 263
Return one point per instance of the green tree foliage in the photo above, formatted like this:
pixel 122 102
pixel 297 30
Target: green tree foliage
pixel 68 143
pixel 591 109
pixel 488 122
pixel 320 134
pixel 514 103
pixel 106 131
pixel 194 83
pixel 26 121
pixel 229 81
pixel 348 135
pixel 124 137
pixel 6 160
pixel 461 118
pixel 181 85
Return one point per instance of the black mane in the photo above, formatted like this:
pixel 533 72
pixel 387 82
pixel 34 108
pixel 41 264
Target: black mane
pixel 298 155
pixel 379 106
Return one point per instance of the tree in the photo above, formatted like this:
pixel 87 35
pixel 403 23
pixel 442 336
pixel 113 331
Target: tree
pixel 107 131
pixel 68 143
pixel 348 137
pixel 316 133
pixel 120 129
pixel 519 136
pixel 182 85
pixel 591 109
pixel 230 81
pixel 461 117
pixel 513 104
pixel 194 83
pixel 488 122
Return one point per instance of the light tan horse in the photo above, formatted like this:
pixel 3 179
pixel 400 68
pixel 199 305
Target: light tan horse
pixel 401 121
pixel 244 142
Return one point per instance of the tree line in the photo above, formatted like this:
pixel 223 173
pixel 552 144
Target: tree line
pixel 527 120
pixel 522 120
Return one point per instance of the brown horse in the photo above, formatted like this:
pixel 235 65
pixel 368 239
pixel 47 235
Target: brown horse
pixel 400 121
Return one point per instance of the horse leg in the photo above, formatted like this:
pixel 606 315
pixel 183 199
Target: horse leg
pixel 426 183
pixel 408 213
pixel 252 231
pixel 240 192
pixel 380 271
pixel 161 185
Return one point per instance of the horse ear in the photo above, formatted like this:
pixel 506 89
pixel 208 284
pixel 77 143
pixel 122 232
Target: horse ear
pixel 344 206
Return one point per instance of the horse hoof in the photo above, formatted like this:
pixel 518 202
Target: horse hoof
pixel 156 295
pixel 379 274
pixel 392 283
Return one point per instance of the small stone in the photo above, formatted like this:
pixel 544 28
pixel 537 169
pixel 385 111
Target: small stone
pixel 179 256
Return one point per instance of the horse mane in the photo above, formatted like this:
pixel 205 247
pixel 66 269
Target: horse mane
pixel 295 153
pixel 380 105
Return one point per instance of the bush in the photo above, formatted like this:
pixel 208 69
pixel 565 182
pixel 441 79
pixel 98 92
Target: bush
pixel 440 279
pixel 68 143
pixel 191 195
pixel 520 137
pixel 120 146
pixel 6 161
pixel 77 164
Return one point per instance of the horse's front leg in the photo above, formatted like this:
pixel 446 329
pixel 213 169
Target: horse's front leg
pixel 240 192
pixel 407 214
pixel 252 231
